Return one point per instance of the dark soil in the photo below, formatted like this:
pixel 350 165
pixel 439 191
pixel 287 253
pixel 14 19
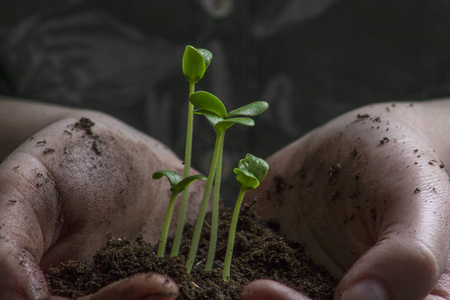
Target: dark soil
pixel 259 252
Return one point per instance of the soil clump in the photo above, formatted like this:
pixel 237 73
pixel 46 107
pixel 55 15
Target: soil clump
pixel 259 253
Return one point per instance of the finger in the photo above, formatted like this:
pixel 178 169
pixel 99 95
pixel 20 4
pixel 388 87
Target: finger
pixel 27 225
pixel 265 289
pixel 412 238
pixel 143 286
pixel 20 276
pixel 391 270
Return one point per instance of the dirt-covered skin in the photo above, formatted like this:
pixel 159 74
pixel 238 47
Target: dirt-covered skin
pixel 368 196
pixel 68 185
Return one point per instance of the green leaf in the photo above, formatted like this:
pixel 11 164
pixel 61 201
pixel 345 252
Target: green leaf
pixel 207 56
pixel 194 66
pixel 250 110
pixel 177 182
pixel 173 177
pixel 223 125
pixel 207 101
pixel 186 182
pixel 246 180
pixel 241 120
pixel 250 172
pixel 213 119
pixel 205 112
pixel 220 125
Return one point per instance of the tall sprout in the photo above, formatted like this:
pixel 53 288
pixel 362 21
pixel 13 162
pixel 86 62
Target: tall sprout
pixel 195 62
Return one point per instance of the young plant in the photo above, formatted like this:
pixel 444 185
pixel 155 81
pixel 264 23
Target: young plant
pixel 250 172
pixel 215 112
pixel 177 184
pixel 195 62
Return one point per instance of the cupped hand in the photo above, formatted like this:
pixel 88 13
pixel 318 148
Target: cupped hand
pixel 69 185
pixel 368 196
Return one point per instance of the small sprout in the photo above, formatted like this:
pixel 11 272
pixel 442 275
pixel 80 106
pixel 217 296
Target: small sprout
pixel 177 184
pixel 250 172
pixel 215 112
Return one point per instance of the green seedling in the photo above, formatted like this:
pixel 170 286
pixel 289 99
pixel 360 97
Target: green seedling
pixel 215 112
pixel 250 172
pixel 177 184
pixel 195 62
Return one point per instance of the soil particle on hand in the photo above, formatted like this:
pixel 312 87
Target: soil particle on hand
pixel 362 116
pixel 48 151
pixel 259 253
pixel 279 183
pixel 96 149
pixel 85 124
pixel 384 141
pixel 334 170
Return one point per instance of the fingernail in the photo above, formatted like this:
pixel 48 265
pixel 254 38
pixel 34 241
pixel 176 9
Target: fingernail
pixel 11 295
pixel 366 289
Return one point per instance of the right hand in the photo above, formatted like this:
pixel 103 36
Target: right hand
pixel 368 197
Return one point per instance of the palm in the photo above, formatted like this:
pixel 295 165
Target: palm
pixel 366 186
pixel 68 186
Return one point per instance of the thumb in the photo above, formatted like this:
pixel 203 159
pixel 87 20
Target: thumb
pixel 392 269
pixel 142 286
pixel 24 229
pixel 411 230
pixel 20 275
pixel 409 256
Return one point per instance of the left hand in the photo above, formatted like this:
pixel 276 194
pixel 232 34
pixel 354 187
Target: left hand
pixel 69 185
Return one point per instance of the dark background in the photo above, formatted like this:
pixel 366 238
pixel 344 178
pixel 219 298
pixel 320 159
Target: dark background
pixel 312 60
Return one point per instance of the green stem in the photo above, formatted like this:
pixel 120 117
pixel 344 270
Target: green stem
pixel 231 235
pixel 166 225
pixel 187 168
pixel 215 209
pixel 203 207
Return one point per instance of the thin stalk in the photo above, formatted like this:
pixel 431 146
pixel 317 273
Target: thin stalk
pixel 187 168
pixel 166 225
pixel 231 235
pixel 203 207
pixel 215 210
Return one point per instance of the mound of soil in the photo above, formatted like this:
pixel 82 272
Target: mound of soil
pixel 259 252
